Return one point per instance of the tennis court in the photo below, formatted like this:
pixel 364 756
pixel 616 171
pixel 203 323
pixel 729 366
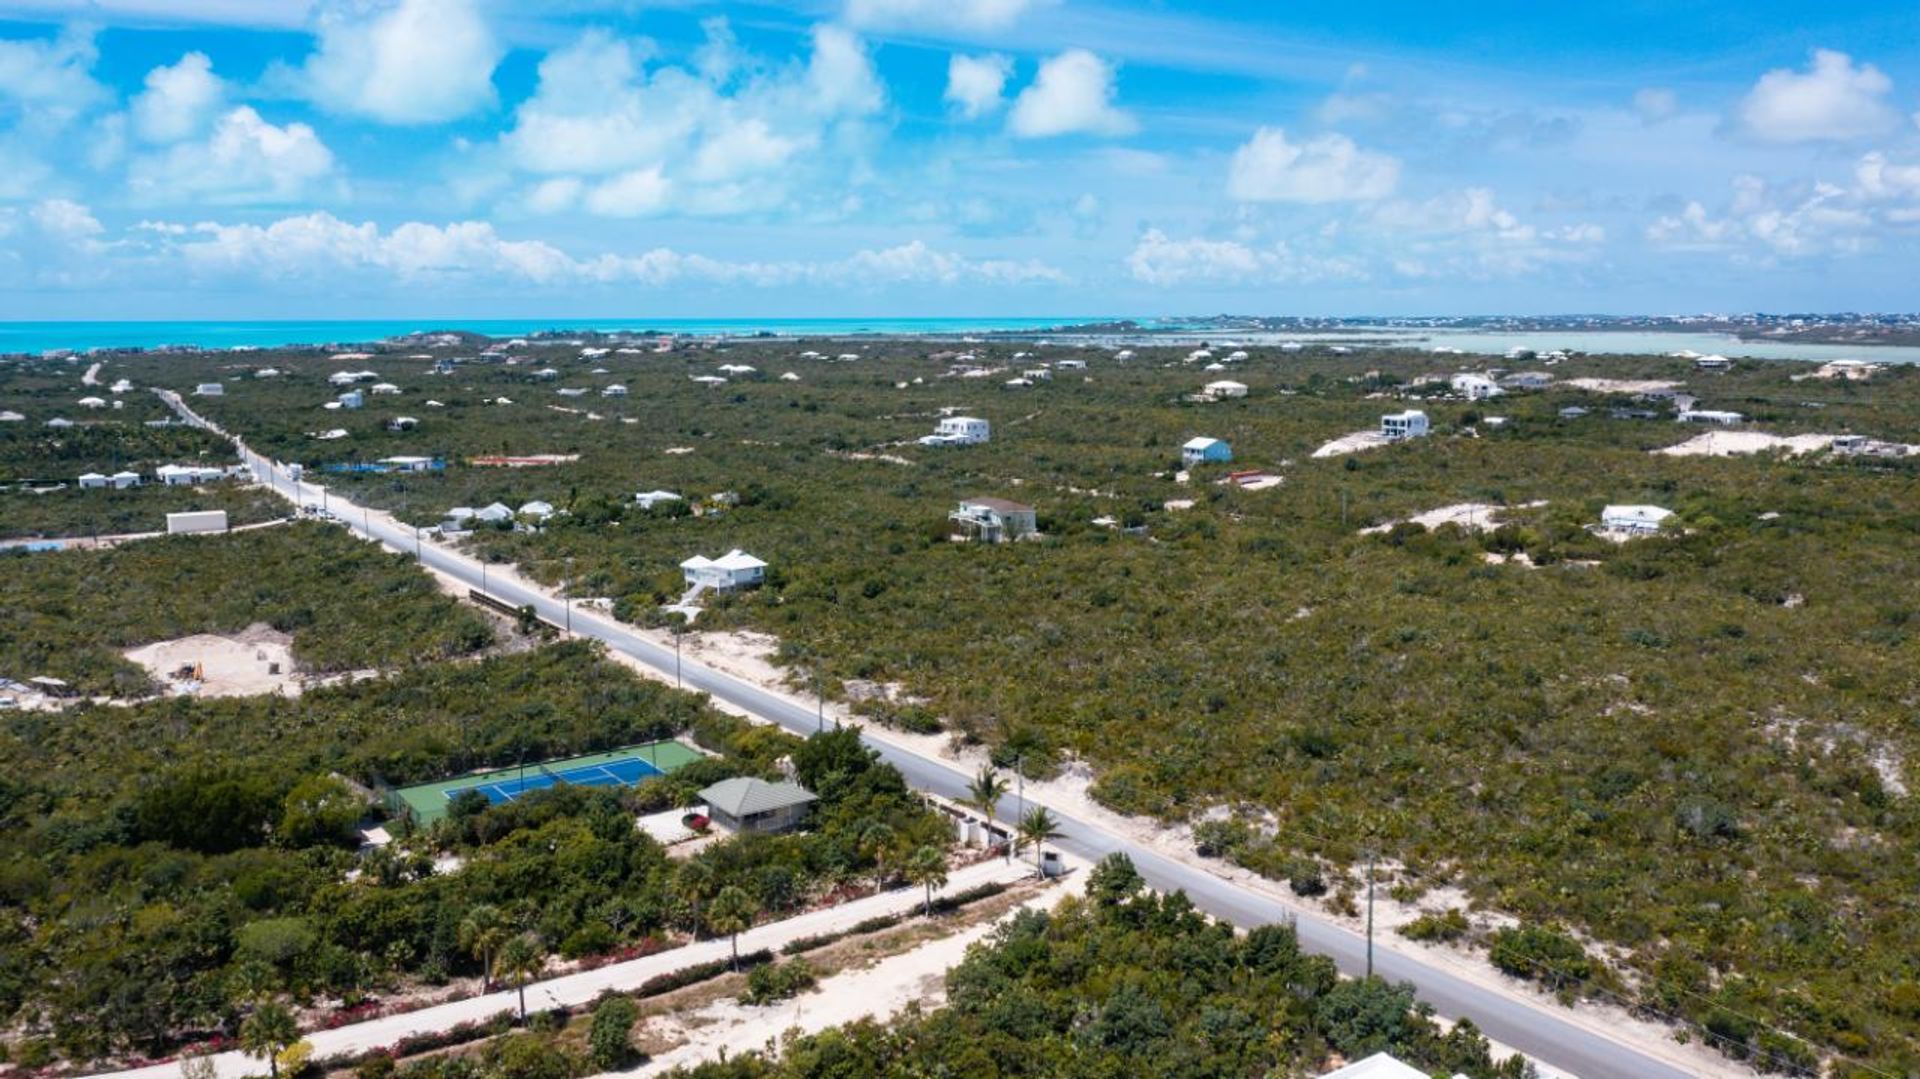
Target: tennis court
pixel 625 767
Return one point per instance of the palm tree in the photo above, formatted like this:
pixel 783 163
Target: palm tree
pixel 732 913
pixel 694 883
pixel 520 959
pixel 1037 828
pixel 928 868
pixel 481 933
pixel 984 794
pixel 267 1032
pixel 875 840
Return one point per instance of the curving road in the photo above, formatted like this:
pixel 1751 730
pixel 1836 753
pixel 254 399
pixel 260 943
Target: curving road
pixel 1530 1026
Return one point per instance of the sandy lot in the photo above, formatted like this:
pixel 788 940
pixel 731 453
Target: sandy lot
pixel 238 666
pixel 1473 516
pixel 1621 385
pixel 881 989
pixel 1353 443
pixel 1730 443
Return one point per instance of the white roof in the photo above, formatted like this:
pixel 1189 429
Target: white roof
pixel 11 416
pixel 91 476
pixel 1377 1066
pixel 93 402
pixel 1648 514
pixel 1226 384
pixel 1201 443
pixel 495 512
pixel 733 561
pixel 121 475
pixel 709 380
pixel 537 509
pixel 736 369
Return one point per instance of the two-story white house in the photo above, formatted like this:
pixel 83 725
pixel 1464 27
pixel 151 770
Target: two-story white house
pixel 1475 387
pixel 1398 426
pixel 994 520
pixel 959 431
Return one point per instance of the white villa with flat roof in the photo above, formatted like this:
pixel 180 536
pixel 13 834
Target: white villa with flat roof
pixel 1397 426
pixel 735 569
pixel 959 431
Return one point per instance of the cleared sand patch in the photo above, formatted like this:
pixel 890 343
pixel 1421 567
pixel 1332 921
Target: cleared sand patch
pixel 1353 443
pixel 1473 516
pixel 1621 385
pixel 258 659
pixel 1731 443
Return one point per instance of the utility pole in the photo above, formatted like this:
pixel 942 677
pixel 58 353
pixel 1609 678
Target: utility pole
pixel 820 698
pixel 678 628
pixel 1020 771
pixel 1370 859
pixel 483 574
pixel 566 596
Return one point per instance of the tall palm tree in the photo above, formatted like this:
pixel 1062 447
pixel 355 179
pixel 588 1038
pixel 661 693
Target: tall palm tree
pixel 928 868
pixel 481 933
pixel 520 959
pixel 876 840
pixel 267 1033
pixel 731 912
pixel 1037 827
pixel 984 794
pixel 694 883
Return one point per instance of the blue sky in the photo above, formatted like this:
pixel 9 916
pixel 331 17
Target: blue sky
pixel 466 158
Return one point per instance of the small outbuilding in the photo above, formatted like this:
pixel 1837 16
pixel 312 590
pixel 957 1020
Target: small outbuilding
pixel 745 804
pixel 90 480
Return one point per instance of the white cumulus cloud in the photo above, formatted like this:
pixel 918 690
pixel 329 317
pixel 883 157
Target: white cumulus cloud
pixel 1326 168
pixel 407 62
pixel 1073 93
pixel 1832 100
pixel 975 84
pixel 178 100
pixel 1158 259
pixel 244 159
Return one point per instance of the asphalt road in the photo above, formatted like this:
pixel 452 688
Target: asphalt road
pixel 1522 1024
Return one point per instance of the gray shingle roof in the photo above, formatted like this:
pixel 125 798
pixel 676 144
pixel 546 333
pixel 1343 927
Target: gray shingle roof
pixel 743 797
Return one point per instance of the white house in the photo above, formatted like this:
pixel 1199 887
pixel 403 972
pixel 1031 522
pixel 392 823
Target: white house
pixel 209 389
pixel 187 475
pixel 384 389
pixel 615 390
pixel 1395 426
pixel 789 377
pixel 1205 450
pixel 1475 387
pixel 1709 415
pixel 546 373
pixel 539 511
pixel 59 422
pixel 1713 363
pixel 409 464
pixel 736 369
pixel 10 416
pixel 646 500
pixel 1071 365
pixel 1225 388
pixel 735 569
pixel 710 380
pixel 402 423
pixel 959 431
pixel 571 391
pixel 1633 520
pixel 995 520
pixel 494 513
pixel 92 479
pixel 92 402
pixel 352 399
pixel 122 480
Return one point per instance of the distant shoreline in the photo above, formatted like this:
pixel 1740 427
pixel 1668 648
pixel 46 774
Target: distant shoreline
pixel 1883 338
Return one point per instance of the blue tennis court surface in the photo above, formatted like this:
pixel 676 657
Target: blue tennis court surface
pixel 620 773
